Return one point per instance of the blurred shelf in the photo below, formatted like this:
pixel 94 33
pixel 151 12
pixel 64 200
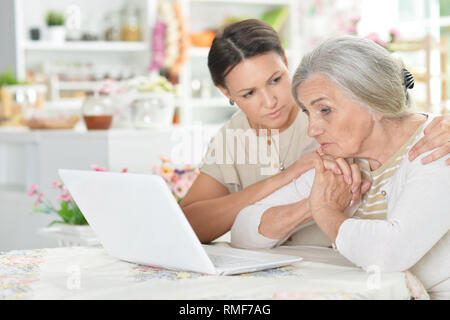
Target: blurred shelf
pixel 112 46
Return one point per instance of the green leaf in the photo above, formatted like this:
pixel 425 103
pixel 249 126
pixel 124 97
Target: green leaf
pixel 65 213
pixel 79 217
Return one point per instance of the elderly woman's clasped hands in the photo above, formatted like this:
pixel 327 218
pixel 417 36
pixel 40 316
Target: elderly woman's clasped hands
pixel 337 187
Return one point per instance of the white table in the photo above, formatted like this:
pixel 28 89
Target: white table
pixel 90 273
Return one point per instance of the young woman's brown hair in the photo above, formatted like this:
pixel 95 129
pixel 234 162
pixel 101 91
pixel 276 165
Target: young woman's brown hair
pixel 240 41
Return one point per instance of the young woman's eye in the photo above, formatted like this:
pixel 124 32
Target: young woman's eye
pixel 305 111
pixel 276 79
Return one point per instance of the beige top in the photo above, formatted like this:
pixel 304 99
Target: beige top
pixel 238 158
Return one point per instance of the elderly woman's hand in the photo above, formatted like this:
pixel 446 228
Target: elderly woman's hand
pixel 436 136
pixel 351 174
pixel 330 196
pixel 329 190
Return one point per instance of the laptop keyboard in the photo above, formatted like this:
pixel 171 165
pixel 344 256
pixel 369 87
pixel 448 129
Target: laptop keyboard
pixel 226 260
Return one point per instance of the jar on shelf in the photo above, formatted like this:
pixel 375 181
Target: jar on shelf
pixel 131 28
pixel 97 112
pixel 112 26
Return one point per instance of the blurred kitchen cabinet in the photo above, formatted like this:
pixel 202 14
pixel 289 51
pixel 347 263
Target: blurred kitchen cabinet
pixel 199 100
pixel 79 64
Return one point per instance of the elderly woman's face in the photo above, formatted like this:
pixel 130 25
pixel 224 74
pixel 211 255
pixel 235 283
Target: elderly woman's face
pixel 340 124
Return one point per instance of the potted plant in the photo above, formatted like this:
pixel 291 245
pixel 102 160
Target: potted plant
pixel 8 78
pixel 56 29
pixel 71 227
pixel 71 223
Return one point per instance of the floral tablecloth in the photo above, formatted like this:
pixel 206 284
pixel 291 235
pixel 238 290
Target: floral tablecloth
pixel 90 273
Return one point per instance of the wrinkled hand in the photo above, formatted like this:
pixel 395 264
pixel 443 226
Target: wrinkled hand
pixel 329 190
pixel 350 172
pixel 436 135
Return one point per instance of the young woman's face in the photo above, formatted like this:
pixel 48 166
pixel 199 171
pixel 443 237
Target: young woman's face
pixel 340 124
pixel 261 87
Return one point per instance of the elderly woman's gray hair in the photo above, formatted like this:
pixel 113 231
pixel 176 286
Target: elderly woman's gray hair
pixel 362 68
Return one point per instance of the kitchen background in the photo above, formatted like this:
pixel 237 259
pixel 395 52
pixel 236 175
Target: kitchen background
pixel 124 86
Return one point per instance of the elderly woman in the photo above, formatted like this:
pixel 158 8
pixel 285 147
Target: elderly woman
pixel 355 95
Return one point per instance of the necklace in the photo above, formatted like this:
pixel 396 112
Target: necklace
pixel 270 141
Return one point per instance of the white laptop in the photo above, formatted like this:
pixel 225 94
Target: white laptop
pixel 137 219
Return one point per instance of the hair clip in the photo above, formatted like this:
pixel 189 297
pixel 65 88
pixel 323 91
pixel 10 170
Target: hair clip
pixel 408 79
